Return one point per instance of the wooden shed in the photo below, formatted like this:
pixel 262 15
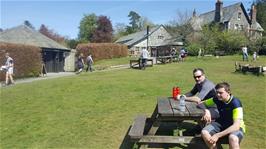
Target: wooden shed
pixel 53 53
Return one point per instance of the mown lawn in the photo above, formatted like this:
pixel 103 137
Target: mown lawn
pixel 95 110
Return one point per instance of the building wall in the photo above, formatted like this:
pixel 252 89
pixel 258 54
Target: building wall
pixel 70 61
pixel 239 22
pixel 157 38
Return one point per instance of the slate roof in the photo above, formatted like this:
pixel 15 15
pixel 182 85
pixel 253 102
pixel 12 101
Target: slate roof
pixel 137 37
pixel 24 35
pixel 228 11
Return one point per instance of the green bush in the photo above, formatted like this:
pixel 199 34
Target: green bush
pixel 27 59
pixel 193 49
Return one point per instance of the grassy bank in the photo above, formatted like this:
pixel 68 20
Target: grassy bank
pixel 95 110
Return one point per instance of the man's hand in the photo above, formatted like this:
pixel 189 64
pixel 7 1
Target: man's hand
pixel 207 116
pixel 213 139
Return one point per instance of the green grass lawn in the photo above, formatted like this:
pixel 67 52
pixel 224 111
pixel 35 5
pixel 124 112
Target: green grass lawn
pixel 95 110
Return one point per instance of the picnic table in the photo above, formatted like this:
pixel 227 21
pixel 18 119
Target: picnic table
pixel 165 59
pixel 143 130
pixel 136 63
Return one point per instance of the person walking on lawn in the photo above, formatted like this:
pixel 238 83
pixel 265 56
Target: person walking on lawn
pixel 143 57
pixel 9 67
pixel 230 123
pixel 80 64
pixel 89 63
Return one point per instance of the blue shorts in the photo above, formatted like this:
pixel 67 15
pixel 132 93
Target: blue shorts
pixel 215 127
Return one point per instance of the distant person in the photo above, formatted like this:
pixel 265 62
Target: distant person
pixel 254 56
pixel 182 54
pixel 143 57
pixel 230 121
pixel 9 69
pixel 89 61
pixel 173 53
pixel 199 52
pixel 44 72
pixel 245 53
pixel 80 64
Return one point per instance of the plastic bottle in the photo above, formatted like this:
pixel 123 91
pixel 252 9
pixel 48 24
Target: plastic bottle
pixel 182 104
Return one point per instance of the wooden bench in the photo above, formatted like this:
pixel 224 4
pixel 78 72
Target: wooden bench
pixel 136 63
pixel 244 68
pixel 137 129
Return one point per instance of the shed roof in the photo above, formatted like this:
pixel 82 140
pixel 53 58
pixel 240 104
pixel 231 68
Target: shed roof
pixel 24 35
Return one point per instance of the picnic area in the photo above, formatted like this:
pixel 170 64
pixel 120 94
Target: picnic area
pixel 96 110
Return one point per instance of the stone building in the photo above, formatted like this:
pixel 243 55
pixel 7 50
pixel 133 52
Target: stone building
pixel 233 17
pixel 157 39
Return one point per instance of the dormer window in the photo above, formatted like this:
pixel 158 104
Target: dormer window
pixel 239 16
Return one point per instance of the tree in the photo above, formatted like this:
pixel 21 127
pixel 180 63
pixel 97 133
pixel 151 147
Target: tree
pixel 261 13
pixel 134 22
pixel 51 34
pixel 27 23
pixel 87 26
pixel 144 22
pixel 1 30
pixel 119 31
pixel 104 30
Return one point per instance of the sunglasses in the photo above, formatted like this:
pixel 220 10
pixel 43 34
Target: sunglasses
pixel 197 77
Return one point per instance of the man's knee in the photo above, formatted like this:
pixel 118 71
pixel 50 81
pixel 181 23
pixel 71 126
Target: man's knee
pixel 204 133
pixel 233 140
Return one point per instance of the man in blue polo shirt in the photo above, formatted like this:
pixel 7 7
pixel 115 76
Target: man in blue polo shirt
pixel 230 121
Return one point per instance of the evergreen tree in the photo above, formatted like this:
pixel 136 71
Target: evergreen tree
pixel 134 22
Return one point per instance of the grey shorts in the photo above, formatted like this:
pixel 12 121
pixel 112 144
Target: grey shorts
pixel 215 127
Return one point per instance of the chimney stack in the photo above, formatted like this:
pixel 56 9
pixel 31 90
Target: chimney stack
pixel 253 13
pixel 218 11
pixel 194 13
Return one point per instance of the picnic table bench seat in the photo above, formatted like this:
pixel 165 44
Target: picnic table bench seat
pixel 244 68
pixel 137 129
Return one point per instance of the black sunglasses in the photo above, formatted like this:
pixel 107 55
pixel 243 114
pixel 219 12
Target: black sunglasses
pixel 197 77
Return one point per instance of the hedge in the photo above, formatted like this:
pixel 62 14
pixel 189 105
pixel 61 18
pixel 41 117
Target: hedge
pixel 27 59
pixel 101 51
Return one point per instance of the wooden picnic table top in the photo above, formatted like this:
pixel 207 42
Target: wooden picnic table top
pixel 168 107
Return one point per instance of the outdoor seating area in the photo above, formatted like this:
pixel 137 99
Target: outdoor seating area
pixel 165 59
pixel 144 130
pixel 136 63
pixel 247 68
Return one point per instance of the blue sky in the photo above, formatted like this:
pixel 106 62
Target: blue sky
pixel 64 16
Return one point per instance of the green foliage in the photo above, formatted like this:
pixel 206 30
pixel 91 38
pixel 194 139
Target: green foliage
pixel 193 49
pixel 87 26
pixel 261 15
pixel 27 59
pixel 95 110
pixel 134 18
pixel 231 41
